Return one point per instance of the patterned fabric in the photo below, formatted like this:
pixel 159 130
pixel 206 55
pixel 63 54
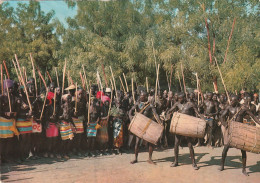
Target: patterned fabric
pixel 65 131
pixel 24 126
pixel 7 128
pixel 36 128
pixel 52 130
pixel 118 132
pixel 92 131
pixel 79 125
pixel 102 133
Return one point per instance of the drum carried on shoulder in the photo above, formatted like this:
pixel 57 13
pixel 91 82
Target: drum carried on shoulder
pixel 243 136
pixel 146 128
pixel 186 125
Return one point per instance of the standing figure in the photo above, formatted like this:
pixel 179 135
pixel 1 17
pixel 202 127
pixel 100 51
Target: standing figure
pixel 65 125
pixel 8 112
pixel 150 112
pixel 210 113
pixel 188 108
pixel 236 112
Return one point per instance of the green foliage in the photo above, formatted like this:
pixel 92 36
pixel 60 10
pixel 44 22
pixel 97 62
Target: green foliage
pixel 133 36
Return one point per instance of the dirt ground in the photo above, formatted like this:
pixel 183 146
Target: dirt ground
pixel 117 169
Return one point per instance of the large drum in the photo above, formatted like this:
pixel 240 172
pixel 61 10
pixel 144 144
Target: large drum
pixel 146 128
pixel 244 136
pixel 186 125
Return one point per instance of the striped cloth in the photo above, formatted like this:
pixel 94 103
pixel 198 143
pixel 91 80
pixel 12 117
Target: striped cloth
pixel 66 131
pixel 92 131
pixel 79 125
pixel 7 128
pixel 24 126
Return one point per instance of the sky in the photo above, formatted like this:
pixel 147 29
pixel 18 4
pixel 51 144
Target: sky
pixel 60 7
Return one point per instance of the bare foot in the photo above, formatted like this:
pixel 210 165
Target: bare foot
pixel 133 162
pixel 151 162
pixel 245 173
pixel 174 164
pixel 221 168
pixel 195 167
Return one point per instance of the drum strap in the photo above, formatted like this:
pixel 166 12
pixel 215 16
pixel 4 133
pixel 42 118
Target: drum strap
pixel 178 117
pixel 144 108
pixel 146 127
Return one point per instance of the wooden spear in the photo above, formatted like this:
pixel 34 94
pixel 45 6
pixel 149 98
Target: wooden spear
pixel 76 97
pixel 23 82
pixel 43 80
pixel 157 78
pixel 8 95
pixel 55 94
pixel 229 39
pixel 63 77
pixel 57 77
pixel 104 75
pixel 122 84
pixel 34 74
pixel 2 84
pixel 179 80
pixel 184 81
pixel 133 90
pixel 49 76
pixel 43 107
pixel 19 79
pixel 222 80
pixel 113 81
pixel 197 78
pixel 82 80
pixel 171 77
pixel 126 83
pixel 147 86
pixel 7 73
pixel 168 81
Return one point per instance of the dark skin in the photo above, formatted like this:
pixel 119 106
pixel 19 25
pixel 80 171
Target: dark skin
pixel 7 143
pixel 94 114
pixel 148 112
pixel 188 108
pixel 210 111
pixel 236 112
pixel 67 112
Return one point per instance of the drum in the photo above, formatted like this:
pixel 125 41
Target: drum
pixel 186 125
pixel 243 136
pixel 146 128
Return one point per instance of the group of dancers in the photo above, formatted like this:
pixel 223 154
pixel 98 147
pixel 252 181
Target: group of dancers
pixel 57 124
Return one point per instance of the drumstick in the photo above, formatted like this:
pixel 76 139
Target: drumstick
pixel 184 86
